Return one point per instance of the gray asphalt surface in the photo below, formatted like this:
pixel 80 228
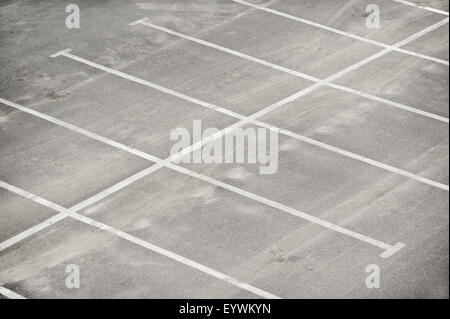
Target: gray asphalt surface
pixel 243 238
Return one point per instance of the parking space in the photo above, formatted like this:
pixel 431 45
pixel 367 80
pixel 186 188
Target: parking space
pixel 57 164
pixel 399 138
pixel 408 80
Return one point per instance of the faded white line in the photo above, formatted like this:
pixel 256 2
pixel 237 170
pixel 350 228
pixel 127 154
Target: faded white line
pixel 10 294
pixel 418 5
pixel 340 32
pixel 166 163
pixel 145 22
pixel 391 103
pixel 273 66
pixel 78 130
pixel 140 242
pixel 31 231
pixel 389 250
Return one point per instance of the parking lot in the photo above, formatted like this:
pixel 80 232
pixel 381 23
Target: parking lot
pixel 87 178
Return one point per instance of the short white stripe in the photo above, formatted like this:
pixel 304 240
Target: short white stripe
pixel 31 231
pixel 418 5
pixel 10 294
pixel 391 103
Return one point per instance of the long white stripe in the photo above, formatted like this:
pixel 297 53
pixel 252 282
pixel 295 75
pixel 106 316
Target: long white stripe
pixel 188 262
pixel 31 231
pixel 290 71
pixel 145 22
pixel 418 5
pixel 10 294
pixel 286 209
pixel 340 32
pixel 391 103
pixel 168 164
pixel 421 33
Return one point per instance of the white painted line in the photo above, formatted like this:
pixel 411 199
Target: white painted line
pixel 183 260
pixel 168 164
pixel 226 50
pixel 391 103
pixel 340 32
pixel 117 187
pixel 79 130
pixel 244 119
pixel 247 57
pixel 422 56
pixel 32 197
pixel 10 294
pixel 386 51
pixel 60 53
pixel 138 21
pixel 136 80
pixel 418 5
pixel 137 241
pixel 359 158
pixel 31 231
pixel 286 209
pixel 422 33
pixel 394 249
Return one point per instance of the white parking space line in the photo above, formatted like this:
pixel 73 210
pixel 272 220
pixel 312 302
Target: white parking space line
pixel 247 57
pixel 31 231
pixel 388 102
pixel 418 5
pixel 340 32
pixel 388 249
pixel 10 294
pixel 145 22
pixel 252 118
pixel 89 221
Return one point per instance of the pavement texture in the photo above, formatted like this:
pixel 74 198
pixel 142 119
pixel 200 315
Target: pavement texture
pixel 172 234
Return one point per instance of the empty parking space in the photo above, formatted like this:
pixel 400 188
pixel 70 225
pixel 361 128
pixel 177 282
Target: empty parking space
pixel 434 44
pixel 407 80
pixel 398 138
pixel 397 21
pixel 56 163
pixel 25 214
